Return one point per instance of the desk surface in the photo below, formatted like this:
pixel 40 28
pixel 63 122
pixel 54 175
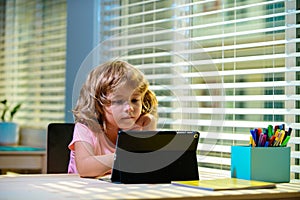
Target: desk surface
pixel 66 186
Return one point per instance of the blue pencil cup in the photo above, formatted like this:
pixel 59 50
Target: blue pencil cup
pixel 270 164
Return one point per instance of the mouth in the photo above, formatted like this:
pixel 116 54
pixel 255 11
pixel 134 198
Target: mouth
pixel 128 117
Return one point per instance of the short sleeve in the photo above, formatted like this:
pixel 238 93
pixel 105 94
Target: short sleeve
pixel 81 133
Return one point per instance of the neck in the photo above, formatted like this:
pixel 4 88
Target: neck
pixel 112 134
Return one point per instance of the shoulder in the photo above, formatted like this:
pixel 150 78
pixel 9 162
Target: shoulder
pixel 79 127
pixel 81 131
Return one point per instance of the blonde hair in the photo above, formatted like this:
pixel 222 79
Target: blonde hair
pixel 103 80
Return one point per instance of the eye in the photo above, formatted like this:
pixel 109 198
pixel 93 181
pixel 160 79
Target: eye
pixel 118 102
pixel 136 100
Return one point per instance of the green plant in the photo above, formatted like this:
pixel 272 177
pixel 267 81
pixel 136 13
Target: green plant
pixel 9 117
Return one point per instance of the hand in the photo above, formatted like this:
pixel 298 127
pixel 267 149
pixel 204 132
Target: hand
pixel 145 122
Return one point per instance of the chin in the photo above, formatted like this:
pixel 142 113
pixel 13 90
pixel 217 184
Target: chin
pixel 126 126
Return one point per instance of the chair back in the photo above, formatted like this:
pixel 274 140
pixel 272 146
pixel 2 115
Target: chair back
pixel 59 135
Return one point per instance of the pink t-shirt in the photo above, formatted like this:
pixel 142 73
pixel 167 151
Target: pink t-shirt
pixel 101 144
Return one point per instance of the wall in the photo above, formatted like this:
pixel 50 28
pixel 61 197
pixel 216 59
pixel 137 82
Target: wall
pixel 82 36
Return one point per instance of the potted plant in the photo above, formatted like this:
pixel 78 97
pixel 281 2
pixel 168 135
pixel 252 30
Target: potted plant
pixel 9 130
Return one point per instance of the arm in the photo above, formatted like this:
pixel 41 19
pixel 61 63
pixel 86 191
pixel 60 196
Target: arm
pixel 90 165
pixel 146 122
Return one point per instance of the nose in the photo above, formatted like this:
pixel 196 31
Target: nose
pixel 128 106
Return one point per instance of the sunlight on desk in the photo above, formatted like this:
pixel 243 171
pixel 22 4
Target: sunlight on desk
pixel 66 186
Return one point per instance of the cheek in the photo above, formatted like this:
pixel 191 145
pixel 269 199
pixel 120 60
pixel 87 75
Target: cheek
pixel 109 115
pixel 110 112
pixel 140 109
pixel 137 109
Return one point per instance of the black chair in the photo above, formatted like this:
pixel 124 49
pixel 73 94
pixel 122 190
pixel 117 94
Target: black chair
pixel 59 135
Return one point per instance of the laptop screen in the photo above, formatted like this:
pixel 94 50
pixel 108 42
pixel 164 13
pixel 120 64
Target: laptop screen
pixel 155 156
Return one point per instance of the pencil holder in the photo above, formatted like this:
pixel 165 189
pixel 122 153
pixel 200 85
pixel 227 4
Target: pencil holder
pixel 270 164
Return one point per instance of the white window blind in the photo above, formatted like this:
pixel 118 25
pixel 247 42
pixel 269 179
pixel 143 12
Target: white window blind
pixel 217 66
pixel 32 59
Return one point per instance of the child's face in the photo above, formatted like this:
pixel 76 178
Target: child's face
pixel 125 108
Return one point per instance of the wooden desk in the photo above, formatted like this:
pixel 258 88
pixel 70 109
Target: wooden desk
pixel 64 186
pixel 23 159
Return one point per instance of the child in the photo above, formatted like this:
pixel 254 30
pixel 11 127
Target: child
pixel 115 96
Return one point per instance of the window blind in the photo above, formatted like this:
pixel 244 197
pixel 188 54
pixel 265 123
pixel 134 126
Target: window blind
pixel 32 62
pixel 220 67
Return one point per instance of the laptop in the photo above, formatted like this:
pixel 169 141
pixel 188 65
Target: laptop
pixel 155 157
